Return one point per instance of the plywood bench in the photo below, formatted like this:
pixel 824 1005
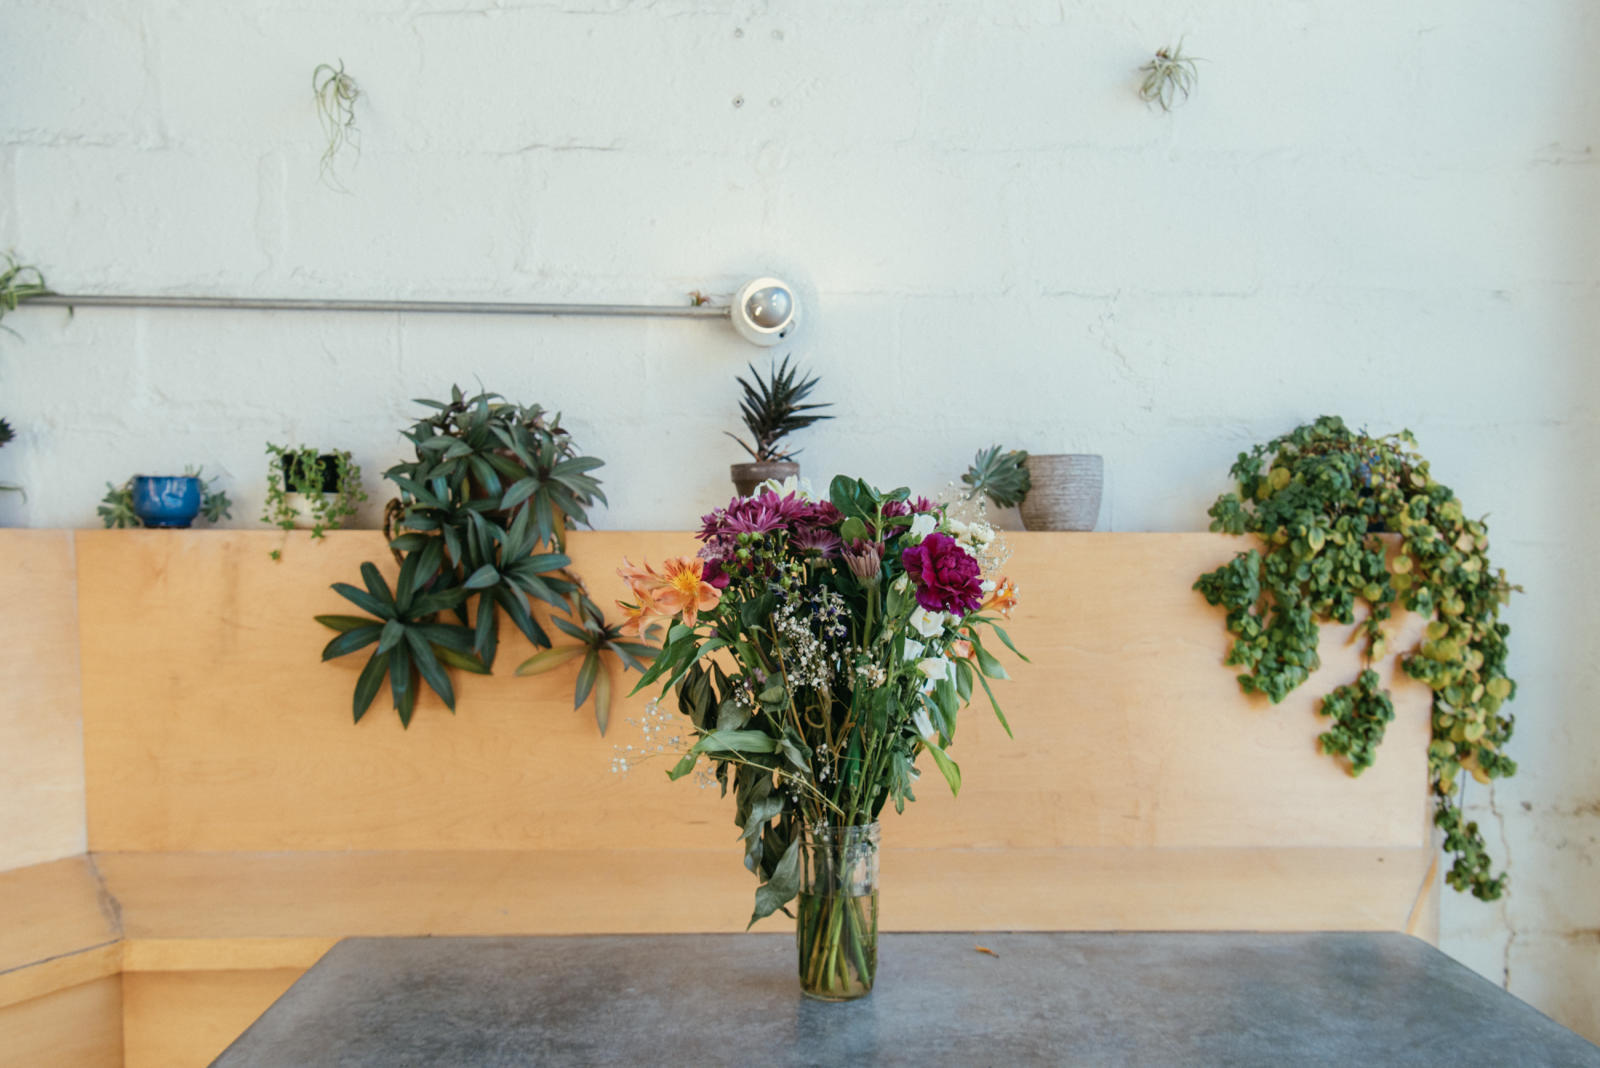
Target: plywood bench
pixel 238 824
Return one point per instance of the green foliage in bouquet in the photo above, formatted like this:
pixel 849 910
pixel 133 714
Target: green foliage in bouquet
pixel 480 527
pixel 1317 498
pixel 772 410
pixel 848 640
pixel 1000 476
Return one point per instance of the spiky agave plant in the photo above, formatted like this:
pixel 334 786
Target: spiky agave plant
pixel 1001 476
pixel 772 410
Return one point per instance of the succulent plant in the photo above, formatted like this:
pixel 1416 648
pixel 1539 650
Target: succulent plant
pixel 772 410
pixel 1001 476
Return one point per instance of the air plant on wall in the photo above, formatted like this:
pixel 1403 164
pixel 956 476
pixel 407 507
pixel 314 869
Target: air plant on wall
pixel 336 93
pixel 18 282
pixel 1169 78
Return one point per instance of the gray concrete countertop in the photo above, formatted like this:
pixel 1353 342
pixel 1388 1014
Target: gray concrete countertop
pixel 1102 999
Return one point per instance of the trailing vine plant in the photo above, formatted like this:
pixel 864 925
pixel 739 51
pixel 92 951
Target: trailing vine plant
pixel 328 483
pixel 1318 498
pixel 479 528
pixel 336 94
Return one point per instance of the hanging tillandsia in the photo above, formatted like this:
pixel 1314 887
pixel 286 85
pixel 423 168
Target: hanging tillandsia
pixel 1318 498
pixel 479 528
pixel 1169 78
pixel 336 94
pixel 849 636
pixel 18 282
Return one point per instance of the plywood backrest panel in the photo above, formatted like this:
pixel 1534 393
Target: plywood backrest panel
pixel 41 716
pixel 211 724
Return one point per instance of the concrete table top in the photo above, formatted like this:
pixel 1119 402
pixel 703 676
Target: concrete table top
pixel 1136 999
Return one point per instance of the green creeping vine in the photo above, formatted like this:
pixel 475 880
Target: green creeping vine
pixel 1317 498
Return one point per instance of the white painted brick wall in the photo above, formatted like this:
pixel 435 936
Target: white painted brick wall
pixel 1383 210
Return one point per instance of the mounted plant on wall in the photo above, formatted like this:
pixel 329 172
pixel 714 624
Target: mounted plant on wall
pixel 1317 498
pixel 772 410
pixel 480 527
pixel 1169 78
pixel 19 282
pixel 307 490
pixel 336 94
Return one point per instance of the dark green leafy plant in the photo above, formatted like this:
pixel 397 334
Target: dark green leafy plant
pixel 7 435
pixel 1317 498
pixel 306 472
pixel 1001 476
pixel 480 527
pixel 116 507
pixel 772 410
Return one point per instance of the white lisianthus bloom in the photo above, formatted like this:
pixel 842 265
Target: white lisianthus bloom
pixel 926 623
pixel 922 526
pixel 902 584
pixel 935 667
pixel 913 649
pixel 921 723
pixel 792 484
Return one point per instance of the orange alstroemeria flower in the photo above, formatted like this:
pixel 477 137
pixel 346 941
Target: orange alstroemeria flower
pixel 1003 599
pixel 961 649
pixel 685 590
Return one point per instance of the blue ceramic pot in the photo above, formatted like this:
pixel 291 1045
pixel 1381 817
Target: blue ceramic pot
pixel 166 500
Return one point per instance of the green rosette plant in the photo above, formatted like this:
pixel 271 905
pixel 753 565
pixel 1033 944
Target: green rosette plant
pixel 1318 498
pixel 479 528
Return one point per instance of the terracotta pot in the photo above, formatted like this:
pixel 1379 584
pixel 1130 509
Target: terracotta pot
pixel 746 477
pixel 1065 493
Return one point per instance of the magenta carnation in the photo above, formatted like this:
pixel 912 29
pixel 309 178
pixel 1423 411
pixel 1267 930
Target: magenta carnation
pixel 947 578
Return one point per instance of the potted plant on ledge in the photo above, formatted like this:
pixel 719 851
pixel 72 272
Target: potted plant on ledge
pixel 772 410
pixel 308 491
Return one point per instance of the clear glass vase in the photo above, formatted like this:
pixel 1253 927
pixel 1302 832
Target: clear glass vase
pixel 836 926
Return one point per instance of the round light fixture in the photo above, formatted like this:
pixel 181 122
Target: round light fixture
pixel 765 311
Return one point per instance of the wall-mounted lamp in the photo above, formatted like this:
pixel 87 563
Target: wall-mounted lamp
pixel 764 311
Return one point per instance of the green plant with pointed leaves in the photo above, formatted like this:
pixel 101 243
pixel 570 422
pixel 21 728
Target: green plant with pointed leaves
pixel 18 282
pixel 484 509
pixel 1000 476
pixel 1318 498
pixel 772 410
pixel 336 94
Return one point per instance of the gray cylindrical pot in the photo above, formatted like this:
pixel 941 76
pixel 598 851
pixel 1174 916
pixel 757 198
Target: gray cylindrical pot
pixel 1065 493
pixel 746 477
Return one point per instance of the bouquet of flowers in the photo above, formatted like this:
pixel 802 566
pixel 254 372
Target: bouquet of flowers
pixel 819 647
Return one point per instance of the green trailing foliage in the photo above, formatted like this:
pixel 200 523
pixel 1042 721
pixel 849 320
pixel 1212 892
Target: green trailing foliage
pixel 1318 498
pixel 309 473
pixel 479 528
pixel 7 435
pixel 1001 476
pixel 772 410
